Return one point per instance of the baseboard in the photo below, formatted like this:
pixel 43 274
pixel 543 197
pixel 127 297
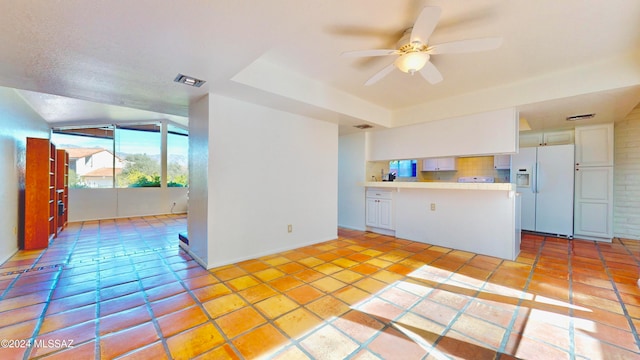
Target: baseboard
pixel 8 256
pixel 382 231
pixel 266 252
pixel 352 227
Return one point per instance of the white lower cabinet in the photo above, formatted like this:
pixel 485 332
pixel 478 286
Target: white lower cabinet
pixel 379 212
pixel 594 203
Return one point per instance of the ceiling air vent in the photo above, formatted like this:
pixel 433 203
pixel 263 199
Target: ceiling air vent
pixel 188 80
pixel 580 117
pixel 363 126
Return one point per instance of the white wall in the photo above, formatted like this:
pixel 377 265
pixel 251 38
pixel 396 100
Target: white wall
pixel 94 204
pixel 351 171
pixel 267 169
pixel 480 221
pixel 17 122
pixel 487 133
pixel 198 220
pixel 626 204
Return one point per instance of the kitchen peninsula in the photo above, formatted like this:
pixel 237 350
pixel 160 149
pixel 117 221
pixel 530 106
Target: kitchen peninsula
pixel 478 217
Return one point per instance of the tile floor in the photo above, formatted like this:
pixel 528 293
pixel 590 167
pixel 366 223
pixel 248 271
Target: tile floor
pixel 123 289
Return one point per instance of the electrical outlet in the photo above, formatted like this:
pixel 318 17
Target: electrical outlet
pixel 433 206
pixel 289 228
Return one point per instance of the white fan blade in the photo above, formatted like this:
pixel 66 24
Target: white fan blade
pixel 425 24
pixel 382 73
pixel 466 46
pixel 366 53
pixel 430 73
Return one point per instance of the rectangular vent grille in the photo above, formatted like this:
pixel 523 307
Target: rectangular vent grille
pixel 580 117
pixel 188 80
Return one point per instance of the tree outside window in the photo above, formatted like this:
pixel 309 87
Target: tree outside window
pixel 137 161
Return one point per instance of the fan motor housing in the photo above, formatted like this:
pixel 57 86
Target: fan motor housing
pixel 404 44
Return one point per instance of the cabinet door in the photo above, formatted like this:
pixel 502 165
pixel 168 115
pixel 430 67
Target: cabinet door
pixel 429 164
pixel 594 202
pixel 372 212
pixel 594 145
pixel 445 164
pixel 531 140
pixel 502 162
pixel 558 138
pixel 385 212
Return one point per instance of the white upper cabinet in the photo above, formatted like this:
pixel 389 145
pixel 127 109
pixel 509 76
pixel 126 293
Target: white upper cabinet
pixel 439 164
pixel 546 138
pixel 531 139
pixel 558 137
pixel 594 145
pixel 502 162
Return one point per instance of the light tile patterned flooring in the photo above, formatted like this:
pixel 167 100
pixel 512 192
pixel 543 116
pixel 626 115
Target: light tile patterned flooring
pixel 123 289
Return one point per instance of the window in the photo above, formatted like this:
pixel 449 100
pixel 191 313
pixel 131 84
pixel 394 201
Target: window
pixel 177 157
pixel 138 148
pixel 91 159
pixel 131 154
pixel 403 168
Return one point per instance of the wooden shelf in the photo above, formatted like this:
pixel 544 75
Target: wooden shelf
pixel 45 185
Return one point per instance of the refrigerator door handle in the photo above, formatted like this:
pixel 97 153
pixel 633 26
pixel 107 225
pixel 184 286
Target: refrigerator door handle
pixel 535 178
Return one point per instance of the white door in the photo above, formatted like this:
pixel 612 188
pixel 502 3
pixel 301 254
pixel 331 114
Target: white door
pixel 554 190
pixel 526 159
pixel 594 145
pixel 385 219
pixel 594 193
pixel 372 215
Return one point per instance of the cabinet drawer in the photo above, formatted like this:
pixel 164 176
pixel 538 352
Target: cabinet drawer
pixel 378 194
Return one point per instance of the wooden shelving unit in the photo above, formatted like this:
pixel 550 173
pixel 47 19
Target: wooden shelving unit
pixel 42 220
pixel 62 189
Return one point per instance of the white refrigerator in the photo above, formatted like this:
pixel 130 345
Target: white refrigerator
pixel 544 179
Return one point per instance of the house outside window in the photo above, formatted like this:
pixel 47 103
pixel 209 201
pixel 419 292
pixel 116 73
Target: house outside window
pixel 91 159
pixel 130 154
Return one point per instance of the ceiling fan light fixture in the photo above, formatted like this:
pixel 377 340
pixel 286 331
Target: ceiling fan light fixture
pixel 412 61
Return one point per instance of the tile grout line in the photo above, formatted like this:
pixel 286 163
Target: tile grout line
pixel 197 303
pixel 464 308
pixel 41 318
pixel 298 342
pixel 154 319
pixel 634 331
pixel 572 331
pixel 163 339
pixel 5 292
pixel 363 346
pixel 514 317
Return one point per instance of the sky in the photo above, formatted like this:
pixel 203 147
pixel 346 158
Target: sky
pixel 128 142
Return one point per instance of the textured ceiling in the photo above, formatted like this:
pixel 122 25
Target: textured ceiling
pixel 558 58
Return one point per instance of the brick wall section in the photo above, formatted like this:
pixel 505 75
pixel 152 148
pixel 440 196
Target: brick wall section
pixel 626 191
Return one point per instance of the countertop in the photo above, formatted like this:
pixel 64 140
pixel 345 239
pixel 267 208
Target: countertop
pixel 439 185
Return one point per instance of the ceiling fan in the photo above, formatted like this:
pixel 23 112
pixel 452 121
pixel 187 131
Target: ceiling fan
pixel 414 51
